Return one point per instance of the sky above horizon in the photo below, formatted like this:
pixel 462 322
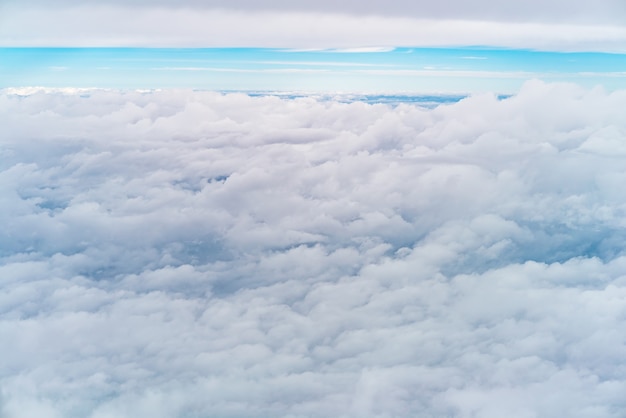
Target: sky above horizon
pixel 407 70
pixel 371 70
pixel 452 47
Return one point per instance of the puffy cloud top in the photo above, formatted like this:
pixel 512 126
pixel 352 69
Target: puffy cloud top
pixel 177 253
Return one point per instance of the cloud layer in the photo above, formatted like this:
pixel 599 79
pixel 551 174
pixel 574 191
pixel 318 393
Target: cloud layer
pixel 192 254
pixel 600 11
pixel 559 25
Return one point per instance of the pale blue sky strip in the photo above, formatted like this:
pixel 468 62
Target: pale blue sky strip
pixel 438 70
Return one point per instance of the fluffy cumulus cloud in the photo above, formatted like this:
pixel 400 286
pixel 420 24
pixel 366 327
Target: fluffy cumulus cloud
pixel 195 254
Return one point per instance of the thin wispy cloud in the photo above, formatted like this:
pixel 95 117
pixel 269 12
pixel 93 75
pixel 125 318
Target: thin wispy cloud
pixel 424 70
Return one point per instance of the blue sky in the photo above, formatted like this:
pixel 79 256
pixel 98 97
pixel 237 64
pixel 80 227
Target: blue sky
pixel 400 45
pixel 405 69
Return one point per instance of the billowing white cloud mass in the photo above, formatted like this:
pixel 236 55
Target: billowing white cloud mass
pixel 555 25
pixel 194 254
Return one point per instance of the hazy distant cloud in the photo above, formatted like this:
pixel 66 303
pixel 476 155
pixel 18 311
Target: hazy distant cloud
pixel 321 24
pixel 179 253
pixel 530 10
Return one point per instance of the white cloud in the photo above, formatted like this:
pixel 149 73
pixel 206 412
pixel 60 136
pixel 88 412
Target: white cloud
pixel 180 253
pixel 601 11
pixel 115 25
